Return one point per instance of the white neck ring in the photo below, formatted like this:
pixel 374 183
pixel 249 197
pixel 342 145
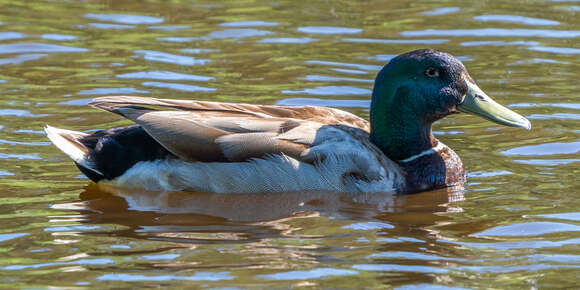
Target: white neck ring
pixel 423 153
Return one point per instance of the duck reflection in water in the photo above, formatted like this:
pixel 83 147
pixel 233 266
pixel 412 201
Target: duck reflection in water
pixel 150 214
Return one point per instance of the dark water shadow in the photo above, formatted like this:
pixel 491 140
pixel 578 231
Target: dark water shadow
pixel 192 217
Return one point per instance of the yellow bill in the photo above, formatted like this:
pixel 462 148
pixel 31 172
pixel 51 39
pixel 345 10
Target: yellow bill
pixel 479 103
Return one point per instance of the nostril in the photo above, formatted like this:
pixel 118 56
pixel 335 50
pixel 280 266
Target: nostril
pixel 480 97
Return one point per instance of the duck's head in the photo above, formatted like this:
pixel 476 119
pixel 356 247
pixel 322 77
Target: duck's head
pixel 434 84
pixel 429 84
pixel 420 87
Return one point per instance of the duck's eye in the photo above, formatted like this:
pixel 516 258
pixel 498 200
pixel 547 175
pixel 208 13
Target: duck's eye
pixel 432 72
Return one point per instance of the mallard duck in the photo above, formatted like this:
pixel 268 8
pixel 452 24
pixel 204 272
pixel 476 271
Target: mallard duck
pixel 243 148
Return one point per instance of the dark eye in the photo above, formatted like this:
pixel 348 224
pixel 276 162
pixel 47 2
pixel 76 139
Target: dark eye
pixel 432 72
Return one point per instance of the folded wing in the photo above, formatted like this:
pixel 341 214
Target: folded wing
pixel 210 131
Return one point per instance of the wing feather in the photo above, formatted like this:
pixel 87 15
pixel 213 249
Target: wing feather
pixel 196 137
pixel 181 135
pixel 323 115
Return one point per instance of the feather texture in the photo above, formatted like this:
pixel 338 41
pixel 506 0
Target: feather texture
pixel 274 173
pixel 241 148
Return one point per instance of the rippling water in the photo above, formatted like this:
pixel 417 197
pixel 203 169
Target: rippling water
pixel 516 225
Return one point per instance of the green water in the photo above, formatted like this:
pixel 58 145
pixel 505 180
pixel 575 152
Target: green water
pixel 515 225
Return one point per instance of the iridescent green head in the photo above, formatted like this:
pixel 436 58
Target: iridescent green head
pixel 420 87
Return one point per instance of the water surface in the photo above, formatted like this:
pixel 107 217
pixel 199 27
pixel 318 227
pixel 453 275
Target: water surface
pixel 515 225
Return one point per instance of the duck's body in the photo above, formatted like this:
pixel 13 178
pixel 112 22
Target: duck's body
pixel 241 148
pixel 233 148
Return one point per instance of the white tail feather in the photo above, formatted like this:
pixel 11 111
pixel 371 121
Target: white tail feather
pixel 65 140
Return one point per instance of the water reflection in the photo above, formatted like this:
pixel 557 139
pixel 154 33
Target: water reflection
pixel 112 91
pixel 76 102
pixel 571 216
pixel 198 276
pixel 368 226
pixel 545 149
pixel 521 196
pixel 324 102
pixel 413 256
pixel 34 47
pixel 317 273
pixel 11 35
pixel 58 37
pixel 516 19
pixel 178 87
pixel 21 58
pixel 396 41
pixel 198 50
pixel 560 116
pixel 234 207
pixel 111 26
pixel 7 237
pixel 249 23
pixel 320 78
pixel 328 30
pixel 500 43
pixel 182 217
pixel 165 75
pixel 83 262
pixel 349 65
pixel 21 143
pixel 538 61
pixel 18 113
pixel 575 106
pixel 558 50
pixel 177 39
pixel 288 40
pixel 429 286
pixel 160 257
pixel 125 18
pixel 442 11
pixel 169 27
pixel 159 56
pixel 529 229
pixel 548 162
pixel 491 32
pixel 400 268
pixel 20 156
pixel 234 34
pixel 349 71
pixel 330 90
pixel 6 173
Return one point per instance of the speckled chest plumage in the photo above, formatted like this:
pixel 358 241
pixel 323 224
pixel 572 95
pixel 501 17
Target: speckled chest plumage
pixel 441 168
